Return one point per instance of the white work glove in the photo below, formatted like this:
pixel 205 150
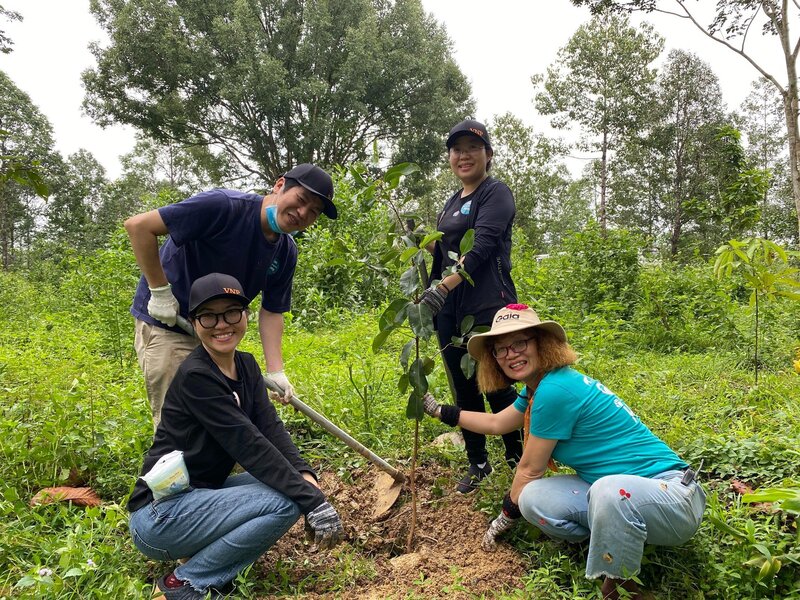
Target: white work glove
pixel 431 406
pixel 500 525
pixel 163 306
pixel 504 521
pixel 280 378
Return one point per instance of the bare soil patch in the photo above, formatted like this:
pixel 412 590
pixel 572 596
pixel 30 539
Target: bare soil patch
pixel 446 561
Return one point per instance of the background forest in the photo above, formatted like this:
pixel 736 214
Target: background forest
pixel 670 258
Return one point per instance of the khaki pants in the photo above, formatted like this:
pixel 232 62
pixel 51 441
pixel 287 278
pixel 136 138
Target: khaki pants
pixel 160 353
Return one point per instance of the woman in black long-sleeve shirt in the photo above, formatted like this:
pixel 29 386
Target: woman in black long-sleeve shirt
pixel 217 413
pixel 487 206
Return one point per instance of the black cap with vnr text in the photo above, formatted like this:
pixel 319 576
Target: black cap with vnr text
pixel 215 285
pixel 318 182
pixel 469 127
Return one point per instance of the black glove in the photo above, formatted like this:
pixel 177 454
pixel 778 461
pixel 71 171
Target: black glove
pixel 327 526
pixel 434 298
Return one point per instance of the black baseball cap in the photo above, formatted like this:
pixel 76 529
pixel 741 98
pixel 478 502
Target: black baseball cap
pixel 469 127
pixel 318 182
pixel 213 286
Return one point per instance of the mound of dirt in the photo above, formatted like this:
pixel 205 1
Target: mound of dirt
pixel 446 558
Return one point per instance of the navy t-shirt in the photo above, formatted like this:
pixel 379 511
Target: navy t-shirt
pixel 220 231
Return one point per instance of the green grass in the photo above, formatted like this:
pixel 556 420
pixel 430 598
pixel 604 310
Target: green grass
pixel 71 399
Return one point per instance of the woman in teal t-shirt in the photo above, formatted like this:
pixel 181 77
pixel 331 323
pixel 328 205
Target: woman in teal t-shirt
pixel 630 488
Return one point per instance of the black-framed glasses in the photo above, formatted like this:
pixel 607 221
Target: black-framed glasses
pixel 470 150
pixel 231 317
pixel 517 347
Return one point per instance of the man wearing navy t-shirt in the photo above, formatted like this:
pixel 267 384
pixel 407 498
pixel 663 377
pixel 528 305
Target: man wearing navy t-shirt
pixel 244 235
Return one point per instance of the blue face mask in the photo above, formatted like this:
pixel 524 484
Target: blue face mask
pixel 272 218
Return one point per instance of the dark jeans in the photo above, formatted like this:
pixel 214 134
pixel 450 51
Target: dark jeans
pixel 468 397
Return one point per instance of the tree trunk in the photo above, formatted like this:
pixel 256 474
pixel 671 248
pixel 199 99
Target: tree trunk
pixel 781 21
pixel 790 108
pixel 677 226
pixel 601 213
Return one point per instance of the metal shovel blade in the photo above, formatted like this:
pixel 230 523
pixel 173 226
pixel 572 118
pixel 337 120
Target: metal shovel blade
pixel 387 490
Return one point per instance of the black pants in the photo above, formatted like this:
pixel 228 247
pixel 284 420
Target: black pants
pixel 468 397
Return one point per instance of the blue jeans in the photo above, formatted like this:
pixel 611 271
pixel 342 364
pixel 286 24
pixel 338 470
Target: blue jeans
pixel 618 513
pixel 220 531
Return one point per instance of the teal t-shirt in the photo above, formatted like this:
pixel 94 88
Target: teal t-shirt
pixel 597 433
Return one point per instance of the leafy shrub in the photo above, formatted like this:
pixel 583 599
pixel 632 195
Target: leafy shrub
pixel 683 307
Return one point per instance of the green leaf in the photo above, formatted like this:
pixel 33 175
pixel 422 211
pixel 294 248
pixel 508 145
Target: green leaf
pixel 394 314
pixel 791 505
pixel 380 340
pixel 467 323
pixel 408 253
pixel 73 572
pixel 409 280
pixel 417 378
pixel 389 256
pixel 402 383
pixel 26 581
pixel 393 174
pixel 725 528
pixel 431 237
pixel 420 319
pixel 414 408
pixel 428 365
pixel 771 495
pixel 405 353
pixel 467 366
pixel 467 242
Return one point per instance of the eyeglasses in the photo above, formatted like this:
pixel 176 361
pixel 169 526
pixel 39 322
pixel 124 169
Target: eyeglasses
pixel 469 151
pixel 517 347
pixel 231 317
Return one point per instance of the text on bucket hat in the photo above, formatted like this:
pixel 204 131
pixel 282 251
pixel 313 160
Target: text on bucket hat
pixel 215 285
pixel 469 127
pixel 318 182
pixel 514 317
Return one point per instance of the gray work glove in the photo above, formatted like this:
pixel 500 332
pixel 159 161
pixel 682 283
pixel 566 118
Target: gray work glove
pixel 163 306
pixel 500 525
pixel 327 526
pixel 434 298
pixel 430 405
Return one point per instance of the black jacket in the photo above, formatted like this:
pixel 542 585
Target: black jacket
pixel 489 262
pixel 201 417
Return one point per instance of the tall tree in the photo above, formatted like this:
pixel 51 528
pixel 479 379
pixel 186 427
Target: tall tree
pixel 26 140
pixel 78 190
pixel 688 111
pixel 276 82
pixel 602 81
pixel 529 164
pixel 679 178
pixel 731 27
pixel 760 118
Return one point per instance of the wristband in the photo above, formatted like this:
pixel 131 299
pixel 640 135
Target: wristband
pixel 450 414
pixel 441 283
pixel 510 509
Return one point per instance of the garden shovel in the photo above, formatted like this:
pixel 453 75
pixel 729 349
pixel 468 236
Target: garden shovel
pixel 388 484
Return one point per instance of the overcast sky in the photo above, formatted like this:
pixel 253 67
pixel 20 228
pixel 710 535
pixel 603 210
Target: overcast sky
pixel 498 44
